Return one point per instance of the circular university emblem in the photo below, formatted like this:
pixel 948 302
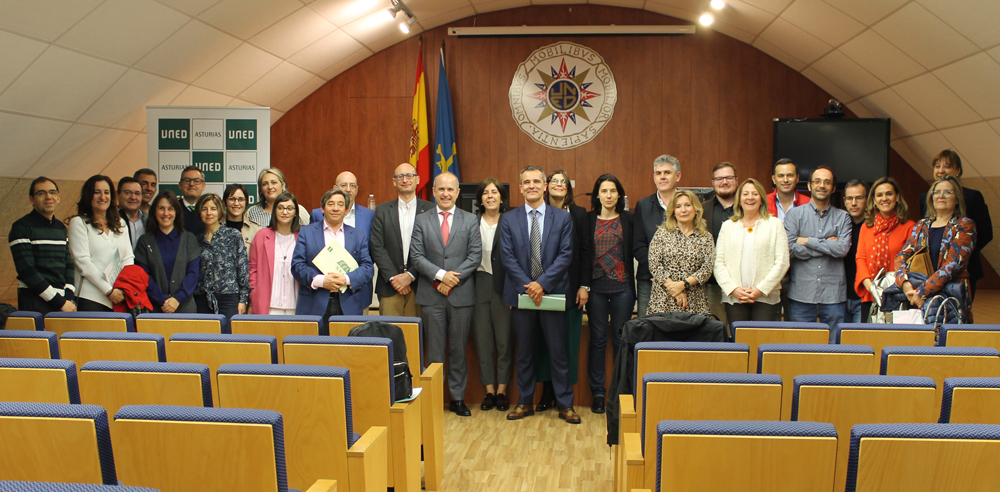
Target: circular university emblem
pixel 563 95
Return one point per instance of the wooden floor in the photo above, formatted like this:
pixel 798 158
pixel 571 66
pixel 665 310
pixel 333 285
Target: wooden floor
pixel 486 453
pixel 541 453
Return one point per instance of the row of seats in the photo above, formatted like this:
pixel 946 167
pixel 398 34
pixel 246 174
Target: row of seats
pixel 803 457
pixel 208 339
pixel 176 449
pixel 841 401
pixel 116 383
pixel 23 486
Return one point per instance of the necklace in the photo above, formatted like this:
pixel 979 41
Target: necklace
pixel 749 227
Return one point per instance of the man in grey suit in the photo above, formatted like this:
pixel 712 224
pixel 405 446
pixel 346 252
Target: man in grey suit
pixel 392 229
pixel 446 250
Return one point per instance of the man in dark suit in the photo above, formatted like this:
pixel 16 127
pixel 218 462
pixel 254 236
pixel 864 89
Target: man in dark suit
pixel 649 214
pixel 392 229
pixel 537 249
pixel 192 186
pixel 319 293
pixel 446 250
pixel 947 162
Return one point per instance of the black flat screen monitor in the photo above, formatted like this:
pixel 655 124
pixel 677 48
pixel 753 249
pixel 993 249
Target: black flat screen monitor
pixel 854 148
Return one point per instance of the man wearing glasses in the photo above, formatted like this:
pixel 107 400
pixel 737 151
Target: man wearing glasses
pixel 130 207
pixel 39 246
pixel 392 229
pixel 192 186
pixel 719 209
pixel 819 237
pixel 358 217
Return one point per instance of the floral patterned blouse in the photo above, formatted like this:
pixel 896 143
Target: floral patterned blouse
pixel 676 256
pixel 225 268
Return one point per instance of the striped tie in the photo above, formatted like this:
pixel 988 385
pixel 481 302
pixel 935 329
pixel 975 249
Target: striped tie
pixel 536 246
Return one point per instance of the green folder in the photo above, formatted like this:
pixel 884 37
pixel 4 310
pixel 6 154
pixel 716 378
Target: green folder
pixel 554 302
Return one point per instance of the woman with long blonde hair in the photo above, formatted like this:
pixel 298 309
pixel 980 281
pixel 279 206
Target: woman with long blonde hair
pixel 681 258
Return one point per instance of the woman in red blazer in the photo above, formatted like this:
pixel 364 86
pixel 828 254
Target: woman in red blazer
pixel 273 289
pixel 886 230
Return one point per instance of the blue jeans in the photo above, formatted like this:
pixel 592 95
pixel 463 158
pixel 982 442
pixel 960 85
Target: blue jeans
pixel 831 314
pixel 852 312
pixel 600 308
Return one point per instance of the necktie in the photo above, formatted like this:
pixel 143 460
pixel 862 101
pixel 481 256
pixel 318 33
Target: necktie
pixel 536 246
pixel 445 229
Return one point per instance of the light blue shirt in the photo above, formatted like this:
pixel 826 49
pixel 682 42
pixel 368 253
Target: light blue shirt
pixel 541 219
pixel 817 267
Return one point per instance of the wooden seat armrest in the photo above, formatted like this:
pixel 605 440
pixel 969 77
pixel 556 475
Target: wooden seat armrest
pixel 626 415
pixel 367 461
pixel 323 486
pixel 432 428
pixel 404 434
pixel 634 463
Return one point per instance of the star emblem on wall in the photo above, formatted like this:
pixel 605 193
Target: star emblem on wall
pixel 563 94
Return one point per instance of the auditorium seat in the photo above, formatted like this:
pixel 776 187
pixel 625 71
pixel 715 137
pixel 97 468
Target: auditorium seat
pixel 429 377
pixel 879 335
pixel 698 357
pixel 39 381
pixel 215 350
pixel 83 347
pixel 170 324
pixel 845 401
pixel 939 363
pixel 370 362
pixel 923 458
pixel 745 456
pixel 315 405
pixel 54 442
pixel 196 449
pixel 970 336
pixel 25 320
pixel 7 486
pixel 789 360
pixel 29 344
pixel 695 396
pixel 755 333
pixel 970 401
pixel 278 326
pixel 113 385
pixel 61 322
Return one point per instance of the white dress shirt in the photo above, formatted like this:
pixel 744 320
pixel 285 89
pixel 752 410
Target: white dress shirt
pixel 407 215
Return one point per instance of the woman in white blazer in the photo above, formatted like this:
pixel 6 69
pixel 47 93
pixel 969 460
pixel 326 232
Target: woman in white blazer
pixel 96 234
pixel 751 257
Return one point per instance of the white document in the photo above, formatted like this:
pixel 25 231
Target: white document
pixel 114 268
pixel 335 258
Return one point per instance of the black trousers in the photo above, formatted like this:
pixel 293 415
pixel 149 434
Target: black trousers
pixel 332 309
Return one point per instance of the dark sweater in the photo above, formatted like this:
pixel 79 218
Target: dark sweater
pixel 41 257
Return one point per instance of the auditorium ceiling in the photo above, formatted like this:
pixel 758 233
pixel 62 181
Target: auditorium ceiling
pixel 75 75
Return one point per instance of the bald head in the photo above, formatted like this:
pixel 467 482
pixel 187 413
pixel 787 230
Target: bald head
pixel 348 182
pixel 406 180
pixel 446 190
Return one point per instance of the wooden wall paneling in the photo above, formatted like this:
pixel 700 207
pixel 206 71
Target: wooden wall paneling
pixel 649 95
pixel 734 116
pixel 676 109
pixel 618 135
pixel 705 120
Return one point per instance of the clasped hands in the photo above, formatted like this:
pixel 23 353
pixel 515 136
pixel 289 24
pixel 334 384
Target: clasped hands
pixel 676 290
pixel 401 283
pixel 334 281
pixel 448 282
pixel 746 294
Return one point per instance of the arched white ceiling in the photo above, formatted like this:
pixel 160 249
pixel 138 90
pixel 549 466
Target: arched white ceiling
pixel 75 75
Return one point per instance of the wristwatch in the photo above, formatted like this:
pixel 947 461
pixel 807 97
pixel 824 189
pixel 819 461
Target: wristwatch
pixel 585 287
pixel 687 285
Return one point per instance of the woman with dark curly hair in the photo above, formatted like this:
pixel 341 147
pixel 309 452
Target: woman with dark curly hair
pixel 97 237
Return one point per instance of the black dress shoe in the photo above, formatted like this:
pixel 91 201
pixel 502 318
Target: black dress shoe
pixel 598 405
pixel 502 404
pixel 489 402
pixel 548 398
pixel 458 408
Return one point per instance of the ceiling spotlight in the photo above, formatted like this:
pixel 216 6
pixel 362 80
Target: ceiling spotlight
pixel 718 4
pixel 405 26
pixel 706 19
pixel 390 13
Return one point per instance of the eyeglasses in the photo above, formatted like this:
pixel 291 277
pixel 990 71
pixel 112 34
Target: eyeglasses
pixel 196 181
pixel 558 181
pixel 234 199
pixel 348 185
pixel 131 193
pixel 817 182
pixel 401 177
pixel 724 178
pixel 854 198
pixel 42 193
pixel 945 192
pixel 285 209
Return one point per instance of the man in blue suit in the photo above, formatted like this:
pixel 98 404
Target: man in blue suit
pixel 536 250
pixel 319 294
pixel 357 216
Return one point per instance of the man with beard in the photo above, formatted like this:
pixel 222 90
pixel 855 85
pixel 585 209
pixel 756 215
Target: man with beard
pixel 819 237
pixel 719 209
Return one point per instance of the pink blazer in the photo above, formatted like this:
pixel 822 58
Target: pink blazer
pixel 262 270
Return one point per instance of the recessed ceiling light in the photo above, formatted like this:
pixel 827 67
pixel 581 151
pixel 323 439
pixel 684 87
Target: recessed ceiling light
pixel 706 19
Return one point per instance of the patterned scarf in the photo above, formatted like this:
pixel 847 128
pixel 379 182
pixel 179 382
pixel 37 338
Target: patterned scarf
pixel 879 254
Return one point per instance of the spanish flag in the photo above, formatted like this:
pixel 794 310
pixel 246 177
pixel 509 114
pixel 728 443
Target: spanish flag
pixel 420 156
